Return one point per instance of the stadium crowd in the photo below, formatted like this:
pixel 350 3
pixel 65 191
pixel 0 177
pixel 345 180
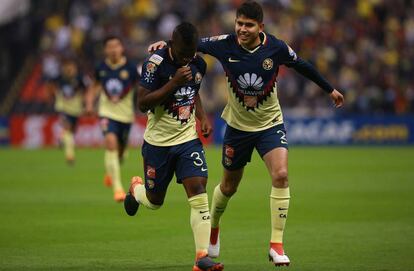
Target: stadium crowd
pixel 364 47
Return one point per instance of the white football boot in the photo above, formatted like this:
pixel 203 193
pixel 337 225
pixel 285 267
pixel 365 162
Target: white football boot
pixel 278 260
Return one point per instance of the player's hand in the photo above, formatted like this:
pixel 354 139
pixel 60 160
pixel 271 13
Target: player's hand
pixel 206 128
pixel 156 45
pixel 182 76
pixel 337 98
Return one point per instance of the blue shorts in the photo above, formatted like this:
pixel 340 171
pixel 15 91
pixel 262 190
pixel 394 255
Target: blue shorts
pixel 120 129
pixel 71 120
pixel 186 160
pixel 238 145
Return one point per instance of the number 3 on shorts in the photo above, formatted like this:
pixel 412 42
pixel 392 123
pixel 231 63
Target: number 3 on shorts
pixel 197 160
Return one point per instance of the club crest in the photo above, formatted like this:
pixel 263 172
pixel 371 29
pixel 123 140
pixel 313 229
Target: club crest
pixel 198 77
pixel 124 74
pixel 267 64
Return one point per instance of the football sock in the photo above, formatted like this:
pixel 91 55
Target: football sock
pixel 113 170
pixel 218 205
pixel 140 194
pixel 279 205
pixel 68 144
pixel 200 222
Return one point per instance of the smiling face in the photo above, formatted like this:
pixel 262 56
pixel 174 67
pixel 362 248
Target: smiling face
pixel 247 31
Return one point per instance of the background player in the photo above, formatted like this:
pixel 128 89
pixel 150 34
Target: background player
pixel 69 90
pixel 169 86
pixel 115 78
pixel 251 60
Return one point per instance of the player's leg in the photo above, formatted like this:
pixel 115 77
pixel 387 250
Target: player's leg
pixel 237 151
pixel 123 141
pixel 159 169
pixel 195 188
pixel 138 195
pixel 112 165
pixel 192 172
pixel 67 139
pixel 274 150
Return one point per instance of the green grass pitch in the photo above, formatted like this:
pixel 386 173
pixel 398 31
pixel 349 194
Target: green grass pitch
pixel 352 208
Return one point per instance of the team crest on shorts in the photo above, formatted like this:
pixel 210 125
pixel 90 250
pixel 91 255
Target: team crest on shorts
pixel 267 64
pixel 198 77
pixel 150 184
pixel 124 74
pixel 151 67
pixel 229 151
pixel 151 172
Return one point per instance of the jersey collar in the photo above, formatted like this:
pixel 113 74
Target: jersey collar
pixel 117 65
pixel 263 38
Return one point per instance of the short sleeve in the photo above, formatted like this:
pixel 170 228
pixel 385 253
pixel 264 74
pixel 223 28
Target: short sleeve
pixel 213 45
pixel 149 76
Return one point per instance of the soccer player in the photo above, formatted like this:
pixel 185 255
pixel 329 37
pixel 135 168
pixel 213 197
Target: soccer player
pixel 69 91
pixel 115 78
pixel 168 91
pixel 251 60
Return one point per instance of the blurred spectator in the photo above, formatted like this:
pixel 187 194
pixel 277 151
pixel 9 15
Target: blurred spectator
pixel 364 47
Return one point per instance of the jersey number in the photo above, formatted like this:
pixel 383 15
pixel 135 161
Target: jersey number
pixel 283 138
pixel 198 161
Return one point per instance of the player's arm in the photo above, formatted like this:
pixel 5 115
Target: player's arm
pixel 206 128
pixel 309 71
pixel 210 45
pixel 147 99
pixel 51 88
pixel 90 96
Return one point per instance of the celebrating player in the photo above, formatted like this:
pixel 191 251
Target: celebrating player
pixel 251 60
pixel 69 90
pixel 168 90
pixel 116 77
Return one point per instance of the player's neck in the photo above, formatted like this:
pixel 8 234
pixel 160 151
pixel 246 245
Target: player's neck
pixel 115 63
pixel 252 47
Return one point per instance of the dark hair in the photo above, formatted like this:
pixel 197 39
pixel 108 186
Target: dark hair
pixel 111 37
pixel 252 10
pixel 186 33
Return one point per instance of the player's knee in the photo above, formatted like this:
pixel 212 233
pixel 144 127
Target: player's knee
pixel 228 189
pixel 110 142
pixel 280 177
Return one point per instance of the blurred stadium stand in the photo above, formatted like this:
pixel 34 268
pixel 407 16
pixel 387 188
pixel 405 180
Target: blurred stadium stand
pixel 365 48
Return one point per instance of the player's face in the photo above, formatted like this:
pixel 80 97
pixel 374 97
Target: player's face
pixel 69 69
pixel 114 50
pixel 182 54
pixel 247 31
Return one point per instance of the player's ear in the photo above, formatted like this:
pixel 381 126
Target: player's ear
pixel 261 27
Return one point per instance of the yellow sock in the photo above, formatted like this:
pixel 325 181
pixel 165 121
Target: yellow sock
pixel 141 196
pixel 68 144
pixel 218 205
pixel 200 222
pixel 113 170
pixel 279 205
